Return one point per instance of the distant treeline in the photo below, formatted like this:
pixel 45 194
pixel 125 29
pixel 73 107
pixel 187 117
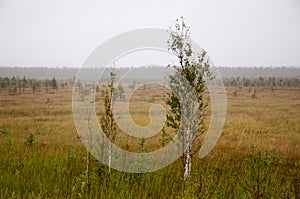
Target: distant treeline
pixel 15 80
pixel 256 72
pixel 144 73
pixel 270 82
pixel 17 85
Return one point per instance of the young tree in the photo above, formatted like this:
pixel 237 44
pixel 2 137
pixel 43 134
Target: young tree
pixel 24 81
pixel 33 86
pixel 121 92
pixel 19 85
pixel 108 123
pixel 54 83
pixel 193 67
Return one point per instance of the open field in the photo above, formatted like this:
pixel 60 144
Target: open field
pixel 257 155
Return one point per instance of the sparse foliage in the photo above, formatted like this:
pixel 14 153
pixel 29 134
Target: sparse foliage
pixel 4 131
pixel 165 137
pixel 30 139
pixel 193 67
pixel 108 123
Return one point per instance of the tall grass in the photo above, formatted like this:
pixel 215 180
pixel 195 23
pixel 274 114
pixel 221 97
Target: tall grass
pixel 62 175
pixel 257 155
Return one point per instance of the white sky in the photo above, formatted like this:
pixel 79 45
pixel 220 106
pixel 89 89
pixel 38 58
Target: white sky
pixel 234 32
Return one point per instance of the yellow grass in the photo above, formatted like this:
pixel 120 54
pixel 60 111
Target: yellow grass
pixel 54 167
pixel 269 121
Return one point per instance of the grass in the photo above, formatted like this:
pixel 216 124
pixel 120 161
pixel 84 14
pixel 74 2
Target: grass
pixel 257 155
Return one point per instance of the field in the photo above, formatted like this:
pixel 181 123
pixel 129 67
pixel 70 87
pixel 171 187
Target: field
pixel 257 155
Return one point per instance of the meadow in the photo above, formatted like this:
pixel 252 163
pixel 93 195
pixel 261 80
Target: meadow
pixel 257 155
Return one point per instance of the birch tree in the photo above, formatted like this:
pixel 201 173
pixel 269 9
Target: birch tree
pixel 108 123
pixel 193 67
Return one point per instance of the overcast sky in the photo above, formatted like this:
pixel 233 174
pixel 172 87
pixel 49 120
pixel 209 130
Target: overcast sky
pixel 234 32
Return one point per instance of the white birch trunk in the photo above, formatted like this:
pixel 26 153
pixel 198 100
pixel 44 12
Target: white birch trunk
pixel 110 130
pixel 88 156
pixel 187 163
pixel 109 156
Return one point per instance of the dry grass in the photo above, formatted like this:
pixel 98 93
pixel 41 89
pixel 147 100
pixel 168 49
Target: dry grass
pixel 268 122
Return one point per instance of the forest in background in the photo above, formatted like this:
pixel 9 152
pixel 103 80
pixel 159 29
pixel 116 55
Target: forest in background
pixel 143 73
pixel 16 79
